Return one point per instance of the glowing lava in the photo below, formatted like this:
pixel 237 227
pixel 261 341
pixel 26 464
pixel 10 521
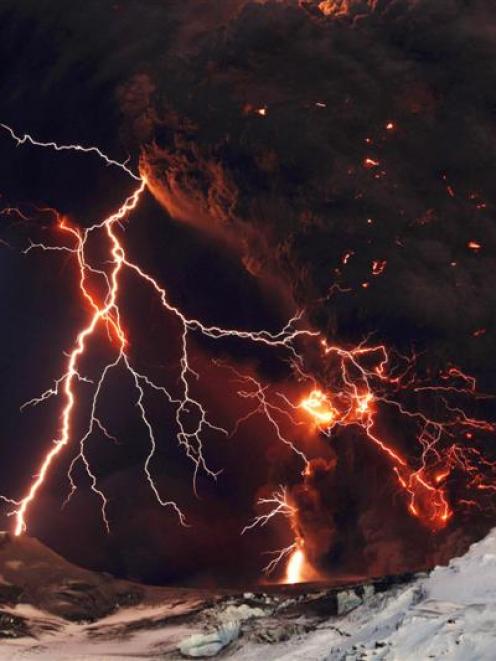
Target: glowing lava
pixel 294 568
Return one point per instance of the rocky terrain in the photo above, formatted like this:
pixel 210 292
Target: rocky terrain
pixel 52 610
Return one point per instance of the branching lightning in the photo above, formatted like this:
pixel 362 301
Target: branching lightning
pixel 361 384
pixel 27 139
pixel 104 310
pixel 355 387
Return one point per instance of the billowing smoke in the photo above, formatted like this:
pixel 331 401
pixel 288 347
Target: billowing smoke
pixel 340 155
pixel 348 147
pixel 285 143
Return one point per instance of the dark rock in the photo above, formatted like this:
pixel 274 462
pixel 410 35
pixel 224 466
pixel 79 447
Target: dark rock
pixel 12 626
pixel 10 594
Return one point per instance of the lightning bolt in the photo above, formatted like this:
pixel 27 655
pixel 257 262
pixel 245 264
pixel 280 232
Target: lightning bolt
pixel 27 139
pixel 362 383
pixel 354 387
pixel 279 504
pixel 105 311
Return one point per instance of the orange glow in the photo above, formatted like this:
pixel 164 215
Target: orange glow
pixel 378 266
pixel 320 408
pixel 294 569
pixel 102 313
pixel 106 313
pixel 334 7
pixel 298 568
pixel 370 163
pixel 441 476
pixel 354 387
pixel 363 403
pixel 355 404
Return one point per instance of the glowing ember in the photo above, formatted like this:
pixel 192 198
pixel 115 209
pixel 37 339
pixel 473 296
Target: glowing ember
pixel 334 7
pixel 378 266
pixel 347 256
pixel 370 163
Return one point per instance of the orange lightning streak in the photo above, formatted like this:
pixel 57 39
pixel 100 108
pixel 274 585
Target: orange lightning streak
pixel 107 313
pixel 364 383
pixel 99 313
pixel 356 385
pixel 298 569
pixel 280 505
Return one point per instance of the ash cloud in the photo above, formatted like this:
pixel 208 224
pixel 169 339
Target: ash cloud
pixel 292 182
pixel 253 121
pixel 306 132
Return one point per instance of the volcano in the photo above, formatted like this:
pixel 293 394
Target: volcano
pixel 51 609
pixel 248 317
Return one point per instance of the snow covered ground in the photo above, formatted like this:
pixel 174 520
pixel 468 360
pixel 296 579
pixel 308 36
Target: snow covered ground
pixel 450 614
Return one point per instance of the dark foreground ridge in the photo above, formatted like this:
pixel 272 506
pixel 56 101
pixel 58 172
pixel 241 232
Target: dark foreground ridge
pixel 40 592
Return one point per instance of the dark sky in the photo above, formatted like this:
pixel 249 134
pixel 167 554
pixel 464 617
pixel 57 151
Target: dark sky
pixel 274 202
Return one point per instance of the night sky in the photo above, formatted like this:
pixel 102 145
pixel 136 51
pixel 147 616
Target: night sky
pixel 288 150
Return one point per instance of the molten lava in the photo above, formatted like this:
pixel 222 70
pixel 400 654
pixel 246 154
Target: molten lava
pixel 294 568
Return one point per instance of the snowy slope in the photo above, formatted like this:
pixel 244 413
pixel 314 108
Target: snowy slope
pixel 450 614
